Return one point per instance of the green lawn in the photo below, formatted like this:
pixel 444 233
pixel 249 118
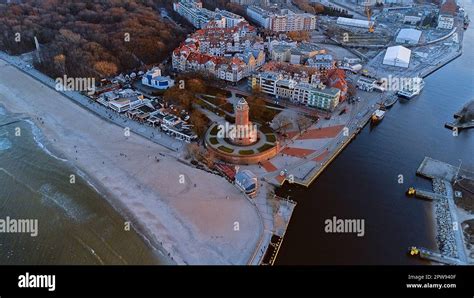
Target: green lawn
pixel 265 147
pixel 246 152
pixel 214 141
pixel 271 138
pixel 225 149
pixel 214 130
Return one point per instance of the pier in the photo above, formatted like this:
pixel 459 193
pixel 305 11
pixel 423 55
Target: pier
pixel 452 125
pixel 452 243
pixel 429 255
pixel 278 234
pixel 464 118
pixel 428 195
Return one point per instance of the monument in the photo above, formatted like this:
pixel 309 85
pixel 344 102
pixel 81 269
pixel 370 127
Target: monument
pixel 245 132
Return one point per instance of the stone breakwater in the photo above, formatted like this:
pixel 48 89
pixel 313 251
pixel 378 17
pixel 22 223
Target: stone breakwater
pixel 445 234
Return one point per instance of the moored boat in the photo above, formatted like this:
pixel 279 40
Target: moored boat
pixel 412 89
pixel 378 115
pixel 390 101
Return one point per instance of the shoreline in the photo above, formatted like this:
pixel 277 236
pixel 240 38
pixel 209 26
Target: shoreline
pixel 46 146
pixel 160 211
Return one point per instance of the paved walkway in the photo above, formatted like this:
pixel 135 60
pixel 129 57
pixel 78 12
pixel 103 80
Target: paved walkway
pixel 151 133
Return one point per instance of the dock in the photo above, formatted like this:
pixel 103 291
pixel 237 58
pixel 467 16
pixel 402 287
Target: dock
pixel 465 114
pixel 429 255
pixel 286 208
pixel 453 125
pixel 428 195
pixel 431 168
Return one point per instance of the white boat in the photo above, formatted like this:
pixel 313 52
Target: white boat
pixel 378 115
pixel 412 88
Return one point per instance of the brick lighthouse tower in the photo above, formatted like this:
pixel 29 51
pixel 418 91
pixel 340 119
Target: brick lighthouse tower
pixel 245 131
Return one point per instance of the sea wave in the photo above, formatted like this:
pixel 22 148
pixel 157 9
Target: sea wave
pixel 51 196
pixel 5 144
pixel 86 178
pixel 38 137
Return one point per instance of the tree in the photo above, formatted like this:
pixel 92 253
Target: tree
pixel 199 121
pixel 303 123
pixel 105 68
pixel 192 151
pixel 351 90
pixel 299 36
pixel 283 123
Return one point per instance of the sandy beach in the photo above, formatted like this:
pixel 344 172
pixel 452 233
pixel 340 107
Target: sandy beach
pixel 188 213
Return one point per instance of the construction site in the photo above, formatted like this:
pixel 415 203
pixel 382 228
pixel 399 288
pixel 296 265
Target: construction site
pixel 416 30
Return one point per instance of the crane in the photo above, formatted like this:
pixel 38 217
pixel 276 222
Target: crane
pixel 368 11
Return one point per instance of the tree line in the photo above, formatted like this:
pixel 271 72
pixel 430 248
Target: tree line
pixel 97 38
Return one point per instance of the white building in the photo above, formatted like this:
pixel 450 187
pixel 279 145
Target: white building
pixel 354 22
pixel 247 182
pixel 259 16
pixel 154 79
pixel 200 17
pixel 408 36
pixel 412 19
pixel 309 94
pixel 284 21
pixel 231 19
pixel 445 22
pixel 397 56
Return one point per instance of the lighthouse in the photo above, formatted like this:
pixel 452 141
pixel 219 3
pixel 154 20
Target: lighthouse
pixel 245 131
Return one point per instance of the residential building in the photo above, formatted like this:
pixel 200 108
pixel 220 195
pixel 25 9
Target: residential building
pixel 322 62
pixel 226 53
pixel 445 21
pixel 336 78
pixel 259 16
pixel 309 94
pixel 284 20
pixel 297 53
pixel 200 17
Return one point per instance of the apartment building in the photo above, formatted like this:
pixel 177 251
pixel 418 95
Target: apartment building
pixel 283 21
pixel 200 17
pixel 221 52
pixel 309 94
pixel 445 21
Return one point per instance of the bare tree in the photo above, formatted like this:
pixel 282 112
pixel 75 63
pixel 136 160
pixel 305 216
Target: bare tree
pixel 303 123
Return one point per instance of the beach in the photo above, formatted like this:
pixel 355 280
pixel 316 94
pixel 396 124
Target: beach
pixel 187 213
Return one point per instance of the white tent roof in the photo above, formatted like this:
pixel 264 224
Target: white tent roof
pixel 409 34
pixel 353 22
pixel 397 56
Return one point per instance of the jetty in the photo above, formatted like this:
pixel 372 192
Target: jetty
pixel 286 209
pixel 428 195
pixel 450 240
pixel 464 118
pixel 429 255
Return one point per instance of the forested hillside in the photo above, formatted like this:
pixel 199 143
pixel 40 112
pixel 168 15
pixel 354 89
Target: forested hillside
pixel 89 38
